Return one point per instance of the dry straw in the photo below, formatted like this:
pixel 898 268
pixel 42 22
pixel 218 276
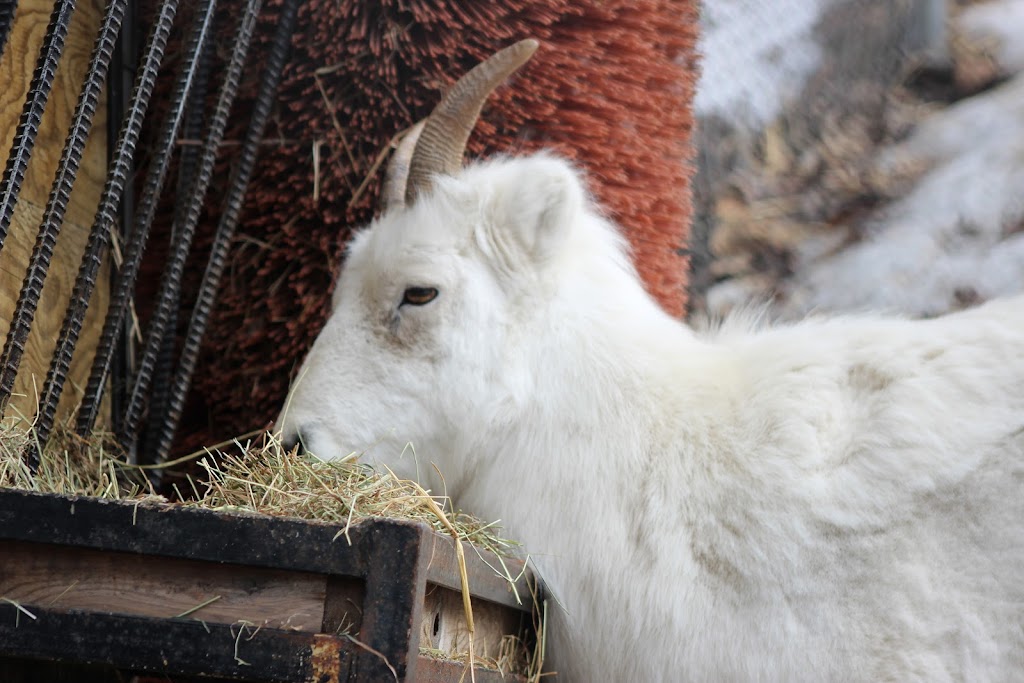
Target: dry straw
pixel 70 465
pixel 253 476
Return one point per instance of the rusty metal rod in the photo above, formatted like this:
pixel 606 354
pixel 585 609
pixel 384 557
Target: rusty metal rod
pixel 124 286
pixel 60 195
pixel 32 114
pixel 230 214
pixel 106 213
pixel 188 162
pixel 7 9
pixel 170 283
pixel 120 85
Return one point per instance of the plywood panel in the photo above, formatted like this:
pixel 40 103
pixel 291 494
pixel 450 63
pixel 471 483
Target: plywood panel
pixel 50 314
pixel 444 626
pixel 16 70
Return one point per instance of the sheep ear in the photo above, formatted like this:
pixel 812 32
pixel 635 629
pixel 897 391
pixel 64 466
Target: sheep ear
pixel 538 202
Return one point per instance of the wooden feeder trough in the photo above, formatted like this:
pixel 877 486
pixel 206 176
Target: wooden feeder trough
pixel 180 592
pixel 91 588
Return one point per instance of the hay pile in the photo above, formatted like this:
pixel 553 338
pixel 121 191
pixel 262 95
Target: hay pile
pixel 253 476
pixel 262 477
pixel 70 465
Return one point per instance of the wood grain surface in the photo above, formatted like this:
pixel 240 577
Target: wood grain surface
pixel 121 583
pixel 444 624
pixel 16 68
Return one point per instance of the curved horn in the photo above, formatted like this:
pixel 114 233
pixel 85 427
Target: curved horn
pixel 393 194
pixel 443 139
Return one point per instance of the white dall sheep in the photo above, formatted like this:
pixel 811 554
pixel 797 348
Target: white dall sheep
pixel 837 500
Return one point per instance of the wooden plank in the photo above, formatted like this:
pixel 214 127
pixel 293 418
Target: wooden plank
pixel 16 68
pixel 443 626
pixel 63 578
pixel 16 670
pixel 393 601
pixel 176 647
pixel 431 670
pixel 486 572
pixel 188 533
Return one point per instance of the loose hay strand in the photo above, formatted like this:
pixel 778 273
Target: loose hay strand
pixel 20 610
pixel 196 608
pixel 467 603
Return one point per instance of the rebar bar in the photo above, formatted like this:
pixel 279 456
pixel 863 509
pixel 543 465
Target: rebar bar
pixel 192 129
pixel 7 9
pixel 106 213
pixel 230 214
pixel 120 84
pixel 60 195
pixel 32 114
pixel 171 280
pixel 124 285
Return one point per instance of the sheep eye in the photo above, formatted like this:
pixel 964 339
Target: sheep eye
pixel 417 296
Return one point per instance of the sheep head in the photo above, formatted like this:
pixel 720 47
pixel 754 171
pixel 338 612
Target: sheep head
pixel 436 295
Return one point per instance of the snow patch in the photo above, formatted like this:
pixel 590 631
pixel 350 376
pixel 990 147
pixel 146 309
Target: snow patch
pixel 999 27
pixel 950 238
pixel 756 57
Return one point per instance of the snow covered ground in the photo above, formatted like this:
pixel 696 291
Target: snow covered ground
pixel 756 57
pixel 956 238
pixel 997 27
pixel 950 237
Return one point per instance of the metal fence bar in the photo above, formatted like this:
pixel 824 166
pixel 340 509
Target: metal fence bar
pixel 60 195
pixel 32 114
pixel 7 8
pixel 171 281
pixel 125 284
pixel 120 85
pixel 230 214
pixel 106 214
pixel 192 129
